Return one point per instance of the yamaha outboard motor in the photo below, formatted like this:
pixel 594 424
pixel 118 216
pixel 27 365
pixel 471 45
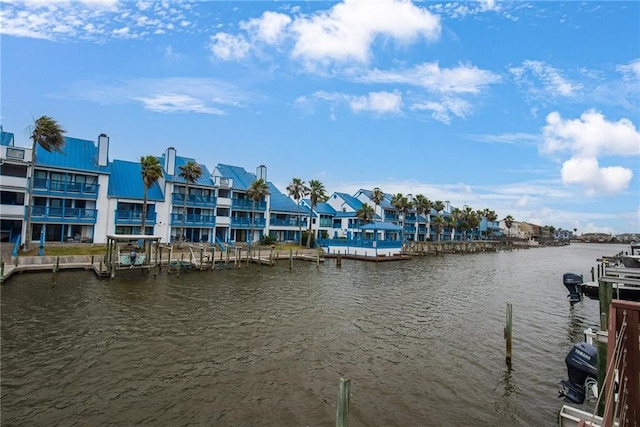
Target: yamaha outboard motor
pixel 572 282
pixel 582 370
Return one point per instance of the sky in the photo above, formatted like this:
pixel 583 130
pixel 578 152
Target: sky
pixel 528 108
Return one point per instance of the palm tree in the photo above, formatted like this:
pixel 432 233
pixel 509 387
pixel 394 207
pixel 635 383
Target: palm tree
pixel 151 173
pixel 190 172
pixel 438 223
pixel 317 193
pixel 377 196
pixel 297 189
pixel 451 222
pixel 455 219
pixel 256 192
pixel 491 216
pixel 423 207
pixel 366 213
pixel 508 221
pixel 48 134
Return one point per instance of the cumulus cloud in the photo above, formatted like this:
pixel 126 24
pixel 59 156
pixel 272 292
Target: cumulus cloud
pixel 269 28
pixel 591 135
pixel 346 31
pixel 587 172
pixel 586 139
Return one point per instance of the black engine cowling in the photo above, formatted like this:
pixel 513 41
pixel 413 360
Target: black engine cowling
pixel 581 366
pixel 572 282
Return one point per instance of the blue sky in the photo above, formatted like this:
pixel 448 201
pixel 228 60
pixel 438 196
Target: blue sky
pixel 531 108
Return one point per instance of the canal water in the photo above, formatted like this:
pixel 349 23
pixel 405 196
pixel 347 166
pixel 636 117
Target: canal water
pixel 421 341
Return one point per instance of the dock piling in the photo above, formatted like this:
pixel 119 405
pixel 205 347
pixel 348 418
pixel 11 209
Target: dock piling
pixel 508 332
pixel 342 407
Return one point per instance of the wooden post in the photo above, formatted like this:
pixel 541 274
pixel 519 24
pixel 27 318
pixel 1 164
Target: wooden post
pixel 605 295
pixel 213 258
pixel 1 270
pixel 318 256
pixel 508 332
pixel 342 407
pixel 339 260
pixel 593 274
pixel 290 259
pixel 54 278
pixel 259 256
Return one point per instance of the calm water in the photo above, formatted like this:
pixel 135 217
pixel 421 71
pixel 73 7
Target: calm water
pixel 421 340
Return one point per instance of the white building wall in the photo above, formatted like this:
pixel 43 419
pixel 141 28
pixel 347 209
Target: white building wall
pixel 105 216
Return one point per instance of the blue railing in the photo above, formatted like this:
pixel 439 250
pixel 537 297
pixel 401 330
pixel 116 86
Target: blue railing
pixel 133 217
pixel 246 222
pixel 360 243
pixel 288 222
pixel 64 214
pixel 326 222
pixel 75 189
pixel 248 204
pixel 193 219
pixel 194 200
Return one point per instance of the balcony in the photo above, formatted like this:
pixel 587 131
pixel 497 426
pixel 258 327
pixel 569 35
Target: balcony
pixel 65 188
pixel 248 204
pixel 290 222
pixel 129 217
pixel 390 217
pixel 193 220
pixel 410 218
pixel 245 222
pixel 326 223
pixel 194 200
pixel 71 215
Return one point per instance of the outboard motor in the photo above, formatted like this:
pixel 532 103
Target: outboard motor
pixel 572 282
pixel 582 370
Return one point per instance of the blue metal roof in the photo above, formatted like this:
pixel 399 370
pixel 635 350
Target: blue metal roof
pixel 6 139
pixel 77 154
pixel 385 203
pixel 205 180
pixel 125 182
pixel 380 225
pixel 345 215
pixel 324 208
pixel 280 202
pixel 242 179
pixel 351 201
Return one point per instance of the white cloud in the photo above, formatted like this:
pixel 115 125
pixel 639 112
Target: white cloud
pixel 588 173
pixel 443 110
pixel 269 28
pixel 378 102
pixel 460 79
pixel 590 135
pixel 630 71
pixel 586 139
pixel 229 47
pixel 553 83
pixel 177 103
pixel 346 31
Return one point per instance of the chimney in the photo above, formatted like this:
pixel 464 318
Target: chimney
pixel 170 161
pixel 261 172
pixel 103 149
pixel 447 206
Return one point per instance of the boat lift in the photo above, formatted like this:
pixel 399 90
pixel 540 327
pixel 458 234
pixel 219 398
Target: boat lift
pixel 145 247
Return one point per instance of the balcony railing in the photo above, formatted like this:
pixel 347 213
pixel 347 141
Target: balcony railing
pixel 291 222
pixel 248 204
pixel 75 189
pixel 246 222
pixel 326 222
pixel 192 220
pixel 134 217
pixel 194 200
pixel 361 243
pixel 76 215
